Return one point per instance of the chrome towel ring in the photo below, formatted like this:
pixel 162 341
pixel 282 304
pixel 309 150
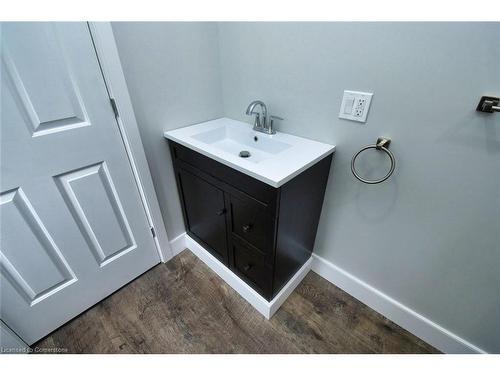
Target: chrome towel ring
pixel 382 145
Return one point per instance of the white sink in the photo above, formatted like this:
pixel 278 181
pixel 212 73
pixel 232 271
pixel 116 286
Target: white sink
pixel 233 139
pixel 274 159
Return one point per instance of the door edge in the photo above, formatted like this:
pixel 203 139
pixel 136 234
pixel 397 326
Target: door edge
pixel 114 79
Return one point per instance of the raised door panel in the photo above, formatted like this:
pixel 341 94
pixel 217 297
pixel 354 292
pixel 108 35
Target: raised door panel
pixel 30 259
pixel 45 88
pixel 93 201
pixel 11 343
pixel 204 213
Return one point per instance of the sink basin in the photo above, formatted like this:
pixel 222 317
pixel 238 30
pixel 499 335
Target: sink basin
pixel 273 159
pixel 235 139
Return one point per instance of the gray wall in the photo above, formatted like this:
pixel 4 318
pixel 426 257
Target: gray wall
pixel 173 76
pixel 430 236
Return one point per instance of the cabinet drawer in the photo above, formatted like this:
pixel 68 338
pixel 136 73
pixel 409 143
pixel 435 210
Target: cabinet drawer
pixel 251 221
pixel 250 265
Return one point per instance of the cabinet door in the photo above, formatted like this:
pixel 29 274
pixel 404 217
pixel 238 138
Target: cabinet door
pixel 204 213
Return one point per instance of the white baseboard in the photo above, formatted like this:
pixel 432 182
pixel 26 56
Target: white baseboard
pixel 266 308
pixel 400 314
pixel 178 244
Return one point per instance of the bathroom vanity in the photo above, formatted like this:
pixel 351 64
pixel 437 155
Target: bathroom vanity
pixel 258 214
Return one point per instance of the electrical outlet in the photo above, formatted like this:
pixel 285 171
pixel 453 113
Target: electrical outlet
pixel 355 105
pixel 360 107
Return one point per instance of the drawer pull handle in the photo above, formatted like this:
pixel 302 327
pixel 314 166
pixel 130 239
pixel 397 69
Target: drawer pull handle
pixel 247 267
pixel 247 228
pixel 221 212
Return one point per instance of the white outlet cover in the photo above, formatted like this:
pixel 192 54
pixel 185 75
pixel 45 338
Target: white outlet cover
pixel 355 105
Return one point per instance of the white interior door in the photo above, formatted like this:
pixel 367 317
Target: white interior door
pixel 72 225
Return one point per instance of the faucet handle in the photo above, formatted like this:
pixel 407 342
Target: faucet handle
pixel 272 118
pixel 270 127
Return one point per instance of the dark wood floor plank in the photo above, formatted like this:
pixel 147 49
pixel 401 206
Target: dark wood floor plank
pixel 184 307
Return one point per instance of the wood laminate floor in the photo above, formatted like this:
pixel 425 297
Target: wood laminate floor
pixel 184 307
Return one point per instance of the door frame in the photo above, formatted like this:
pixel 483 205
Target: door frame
pixel 109 60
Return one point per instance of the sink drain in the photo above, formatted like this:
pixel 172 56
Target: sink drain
pixel 244 154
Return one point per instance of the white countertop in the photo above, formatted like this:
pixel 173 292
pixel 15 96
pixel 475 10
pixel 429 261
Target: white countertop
pixel 275 159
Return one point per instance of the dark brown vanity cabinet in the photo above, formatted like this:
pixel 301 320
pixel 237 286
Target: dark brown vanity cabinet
pixel 263 234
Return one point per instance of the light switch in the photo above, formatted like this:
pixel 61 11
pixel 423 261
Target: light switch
pixel 355 105
pixel 349 102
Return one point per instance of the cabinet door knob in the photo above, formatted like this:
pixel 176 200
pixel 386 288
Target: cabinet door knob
pixel 247 267
pixel 221 212
pixel 247 227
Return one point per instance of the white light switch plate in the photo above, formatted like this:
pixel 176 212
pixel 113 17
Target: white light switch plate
pixel 355 105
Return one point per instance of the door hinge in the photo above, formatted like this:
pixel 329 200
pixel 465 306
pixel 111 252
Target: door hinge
pixel 153 232
pixel 115 108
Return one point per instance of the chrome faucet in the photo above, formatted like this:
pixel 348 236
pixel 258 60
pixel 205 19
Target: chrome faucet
pixel 259 124
pixel 262 123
